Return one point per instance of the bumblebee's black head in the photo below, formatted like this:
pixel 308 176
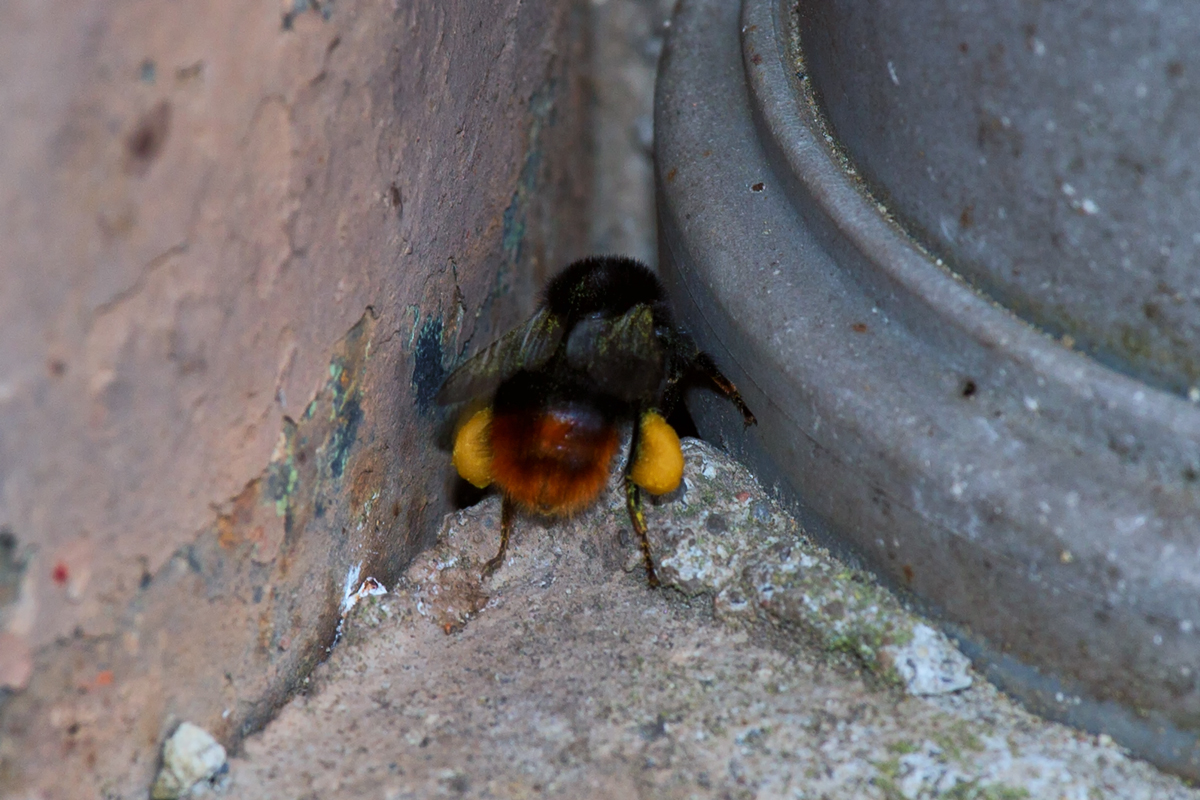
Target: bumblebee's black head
pixel 606 285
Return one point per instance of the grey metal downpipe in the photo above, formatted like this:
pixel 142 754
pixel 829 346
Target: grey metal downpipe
pixel 1015 450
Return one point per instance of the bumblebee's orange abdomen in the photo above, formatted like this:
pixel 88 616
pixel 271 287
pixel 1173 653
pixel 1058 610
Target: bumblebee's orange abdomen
pixel 552 461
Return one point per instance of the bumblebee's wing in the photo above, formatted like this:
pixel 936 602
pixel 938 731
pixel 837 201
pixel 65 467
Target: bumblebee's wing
pixel 621 355
pixel 528 346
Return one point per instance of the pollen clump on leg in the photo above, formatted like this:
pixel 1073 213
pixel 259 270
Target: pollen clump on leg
pixel 659 465
pixel 473 451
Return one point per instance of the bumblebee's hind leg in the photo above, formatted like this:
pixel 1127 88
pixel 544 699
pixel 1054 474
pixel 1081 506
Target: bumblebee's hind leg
pixel 506 519
pixel 633 502
pixel 704 364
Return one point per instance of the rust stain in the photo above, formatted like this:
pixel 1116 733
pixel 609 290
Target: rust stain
pixel 231 524
pixel 365 485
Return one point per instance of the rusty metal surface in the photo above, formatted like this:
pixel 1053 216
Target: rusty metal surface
pixel 240 247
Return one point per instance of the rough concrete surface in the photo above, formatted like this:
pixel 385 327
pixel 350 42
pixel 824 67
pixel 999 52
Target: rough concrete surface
pixel 565 676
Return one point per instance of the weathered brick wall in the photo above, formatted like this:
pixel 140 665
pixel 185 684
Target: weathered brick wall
pixel 241 242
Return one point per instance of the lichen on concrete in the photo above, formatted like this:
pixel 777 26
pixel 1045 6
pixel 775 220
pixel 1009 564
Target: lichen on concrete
pixel 742 549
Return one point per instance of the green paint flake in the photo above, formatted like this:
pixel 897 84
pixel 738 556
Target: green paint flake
pixel 541 105
pixel 416 322
pixel 283 476
pixel 343 393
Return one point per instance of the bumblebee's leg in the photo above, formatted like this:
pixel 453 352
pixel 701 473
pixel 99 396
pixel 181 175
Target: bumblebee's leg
pixel 704 364
pixel 633 501
pixel 506 519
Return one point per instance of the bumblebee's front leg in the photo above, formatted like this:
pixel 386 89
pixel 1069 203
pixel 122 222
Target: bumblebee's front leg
pixel 633 502
pixel 506 518
pixel 704 364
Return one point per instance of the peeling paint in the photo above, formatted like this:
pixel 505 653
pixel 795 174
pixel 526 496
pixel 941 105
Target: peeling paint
pixel 428 372
pixel 323 8
pixel 541 104
pixel 415 310
pixel 282 475
pixel 354 592
pixel 345 392
pixel 344 435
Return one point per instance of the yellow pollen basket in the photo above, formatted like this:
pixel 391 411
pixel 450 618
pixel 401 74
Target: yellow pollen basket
pixel 473 451
pixel 659 465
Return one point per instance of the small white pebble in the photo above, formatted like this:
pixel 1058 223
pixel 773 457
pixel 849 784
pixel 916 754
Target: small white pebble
pixel 190 756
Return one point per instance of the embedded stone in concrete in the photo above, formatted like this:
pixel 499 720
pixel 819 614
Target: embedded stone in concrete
pixel 929 663
pixel 191 757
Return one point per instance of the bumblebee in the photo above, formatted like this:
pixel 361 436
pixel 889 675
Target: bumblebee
pixel 602 350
